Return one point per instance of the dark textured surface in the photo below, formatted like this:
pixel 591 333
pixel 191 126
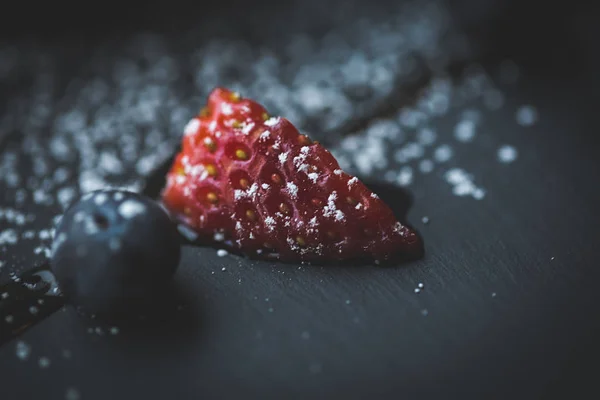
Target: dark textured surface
pixel 531 241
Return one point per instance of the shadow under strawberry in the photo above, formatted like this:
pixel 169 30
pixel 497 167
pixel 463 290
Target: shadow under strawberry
pixel 169 317
pixel 155 183
pixel 399 200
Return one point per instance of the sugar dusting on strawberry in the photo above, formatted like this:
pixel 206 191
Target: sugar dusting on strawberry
pixel 273 192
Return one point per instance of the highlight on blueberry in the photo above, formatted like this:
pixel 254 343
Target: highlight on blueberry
pixel 113 251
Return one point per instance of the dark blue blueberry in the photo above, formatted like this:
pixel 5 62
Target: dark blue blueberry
pixel 113 251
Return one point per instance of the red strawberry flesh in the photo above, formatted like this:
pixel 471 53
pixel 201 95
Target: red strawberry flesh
pixel 272 192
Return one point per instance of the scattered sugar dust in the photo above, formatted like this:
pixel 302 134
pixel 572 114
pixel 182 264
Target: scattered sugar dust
pixel 114 128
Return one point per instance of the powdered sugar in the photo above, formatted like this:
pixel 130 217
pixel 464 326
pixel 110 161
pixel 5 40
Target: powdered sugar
pixel 465 131
pixel 222 253
pixel 264 136
pixel 415 143
pixel 507 154
pixel 330 210
pixel 247 127
pixel 250 193
pixel 300 160
pixel 463 184
pixel 270 223
pixel 282 158
pixel 400 229
pixel 226 109
pixel 405 176
pixel 191 127
pixel 272 121
pixel 526 115
pixel 219 236
pixel 292 189
pixel 443 153
pixel 8 236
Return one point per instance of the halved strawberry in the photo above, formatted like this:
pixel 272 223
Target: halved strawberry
pixel 271 192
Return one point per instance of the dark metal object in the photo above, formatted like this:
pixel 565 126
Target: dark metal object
pixel 26 300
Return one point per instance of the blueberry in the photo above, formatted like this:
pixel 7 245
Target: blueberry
pixel 113 251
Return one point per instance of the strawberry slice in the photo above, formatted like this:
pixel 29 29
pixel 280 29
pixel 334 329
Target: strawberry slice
pixel 270 191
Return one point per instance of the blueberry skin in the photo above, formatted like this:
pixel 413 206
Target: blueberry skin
pixel 114 251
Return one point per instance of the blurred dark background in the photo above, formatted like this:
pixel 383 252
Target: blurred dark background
pixel 545 35
pixel 554 40
pixel 548 40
